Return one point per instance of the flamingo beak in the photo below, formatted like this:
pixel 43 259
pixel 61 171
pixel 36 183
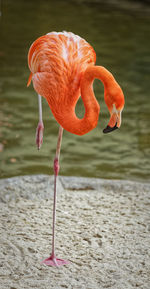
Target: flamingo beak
pixel 114 122
pixel 108 128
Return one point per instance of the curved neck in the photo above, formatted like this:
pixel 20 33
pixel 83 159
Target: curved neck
pixel 99 72
pixel 66 116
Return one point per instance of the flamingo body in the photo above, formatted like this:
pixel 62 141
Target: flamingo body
pixel 57 62
pixel 62 68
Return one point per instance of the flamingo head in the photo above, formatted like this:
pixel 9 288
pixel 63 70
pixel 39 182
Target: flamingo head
pixel 115 104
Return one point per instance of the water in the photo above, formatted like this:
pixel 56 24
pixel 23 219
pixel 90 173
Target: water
pixel 121 40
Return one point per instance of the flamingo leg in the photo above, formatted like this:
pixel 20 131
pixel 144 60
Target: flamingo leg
pixel 52 260
pixel 40 127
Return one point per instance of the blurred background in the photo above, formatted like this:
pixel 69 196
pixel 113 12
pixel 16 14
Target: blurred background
pixel 119 31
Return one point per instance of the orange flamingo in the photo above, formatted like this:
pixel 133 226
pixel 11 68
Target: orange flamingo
pixel 62 68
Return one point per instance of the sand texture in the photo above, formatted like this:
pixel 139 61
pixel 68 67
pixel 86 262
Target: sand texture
pixel 103 228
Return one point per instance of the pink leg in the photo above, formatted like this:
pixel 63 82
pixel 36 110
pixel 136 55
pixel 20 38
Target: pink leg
pixel 40 127
pixel 52 260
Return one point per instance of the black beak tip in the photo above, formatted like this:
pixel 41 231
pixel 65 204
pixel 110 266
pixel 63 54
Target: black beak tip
pixel 108 129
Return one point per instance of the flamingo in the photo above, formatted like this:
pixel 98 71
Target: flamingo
pixel 62 67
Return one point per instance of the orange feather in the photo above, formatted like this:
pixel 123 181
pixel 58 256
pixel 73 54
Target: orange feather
pixel 63 68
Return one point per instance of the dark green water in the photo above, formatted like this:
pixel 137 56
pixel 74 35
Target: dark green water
pixel 121 38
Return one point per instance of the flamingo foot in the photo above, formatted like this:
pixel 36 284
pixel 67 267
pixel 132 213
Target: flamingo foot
pixel 53 261
pixel 39 134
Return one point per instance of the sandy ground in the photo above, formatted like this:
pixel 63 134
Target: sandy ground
pixel 103 228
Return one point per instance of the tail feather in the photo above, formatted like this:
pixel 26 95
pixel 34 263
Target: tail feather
pixel 29 79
